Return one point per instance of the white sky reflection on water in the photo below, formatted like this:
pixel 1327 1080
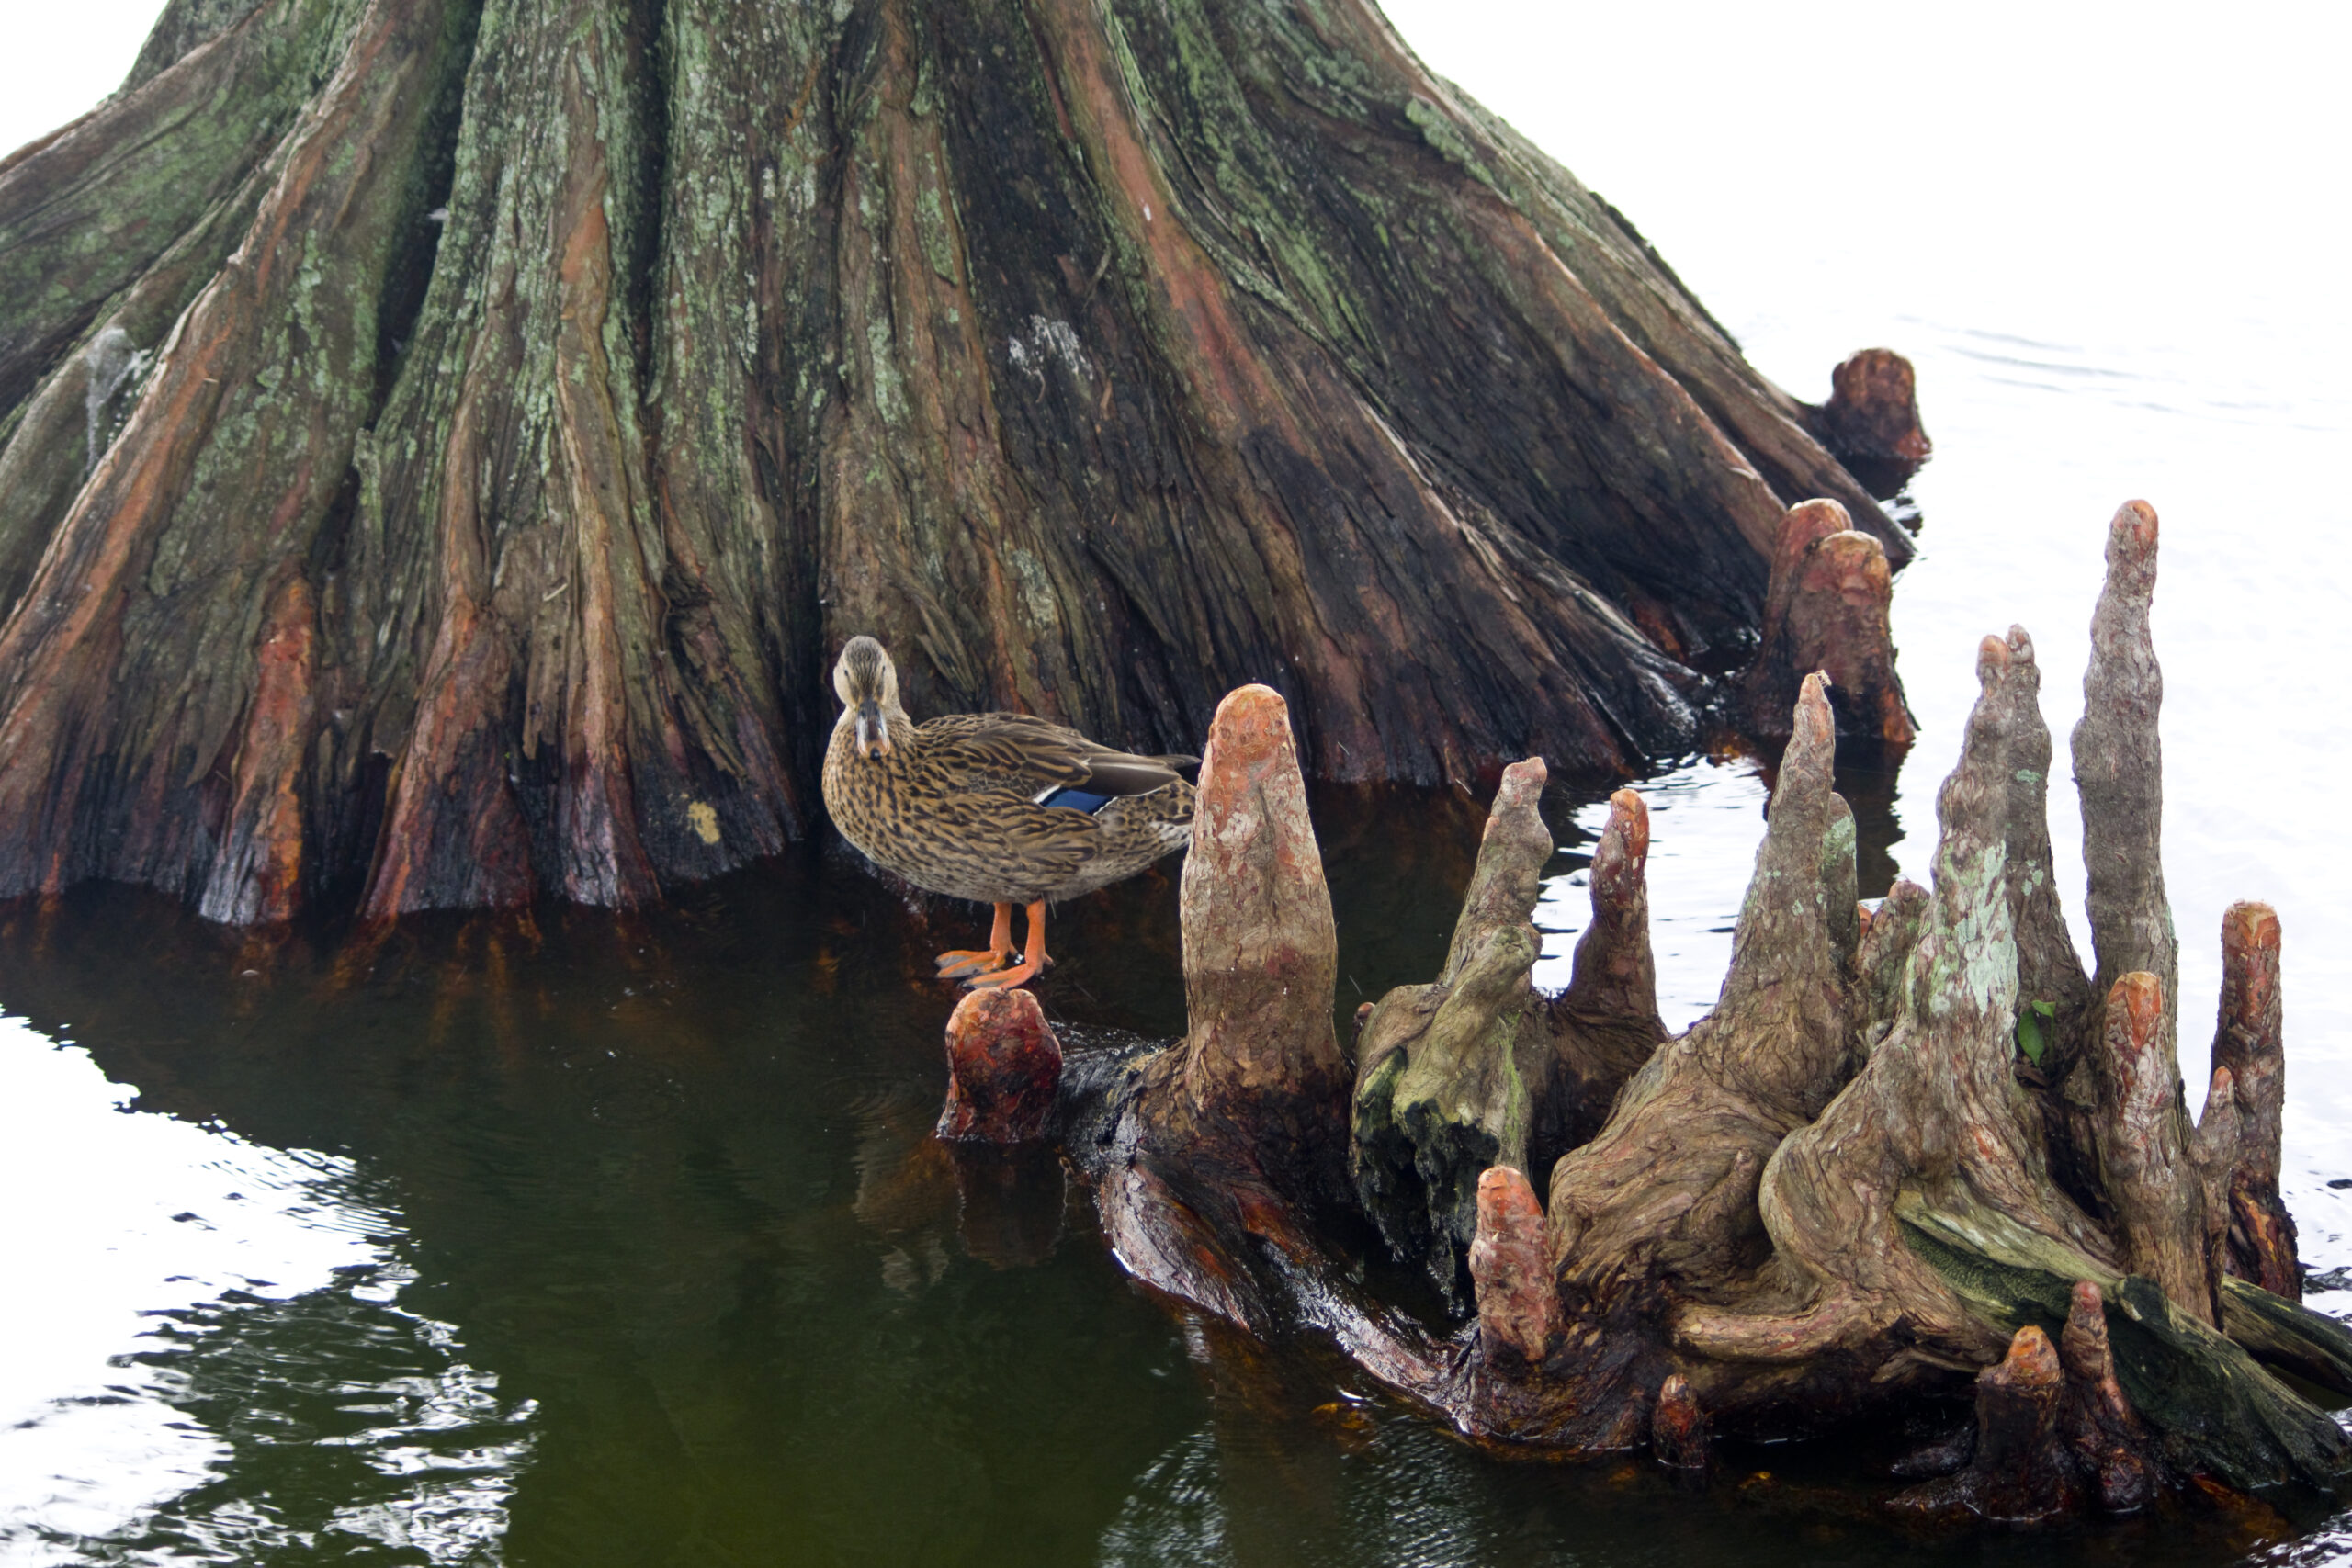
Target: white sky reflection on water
pixel 1703 818
pixel 134 1214
pixel 141 1221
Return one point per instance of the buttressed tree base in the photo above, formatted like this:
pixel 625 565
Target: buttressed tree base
pixel 442 442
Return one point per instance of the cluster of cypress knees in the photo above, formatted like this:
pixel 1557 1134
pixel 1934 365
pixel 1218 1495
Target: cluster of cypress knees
pixel 1914 1144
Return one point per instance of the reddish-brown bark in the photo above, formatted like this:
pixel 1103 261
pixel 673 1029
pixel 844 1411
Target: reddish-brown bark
pixel 2118 768
pixel 1680 1430
pixel 1605 1024
pixel 2144 1147
pixel 2020 1400
pixel 266 803
pixel 1260 951
pixel 2110 1440
pixel 1519 1307
pixel 1874 411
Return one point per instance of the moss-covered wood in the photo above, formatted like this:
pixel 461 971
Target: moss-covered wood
pixel 1441 1091
pixel 501 408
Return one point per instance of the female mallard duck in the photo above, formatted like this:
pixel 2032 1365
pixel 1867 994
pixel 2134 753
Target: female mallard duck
pixel 997 807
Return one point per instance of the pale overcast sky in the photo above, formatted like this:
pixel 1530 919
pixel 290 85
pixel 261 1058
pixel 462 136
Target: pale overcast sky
pixel 2201 155
pixel 61 59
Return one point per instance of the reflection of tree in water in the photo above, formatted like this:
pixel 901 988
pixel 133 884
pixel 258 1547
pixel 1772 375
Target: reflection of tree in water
pixel 672 1195
pixel 356 1434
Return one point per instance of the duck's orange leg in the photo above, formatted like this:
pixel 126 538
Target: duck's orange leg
pixel 965 960
pixel 1032 963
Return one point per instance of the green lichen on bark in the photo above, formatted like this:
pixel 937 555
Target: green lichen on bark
pixel 86 212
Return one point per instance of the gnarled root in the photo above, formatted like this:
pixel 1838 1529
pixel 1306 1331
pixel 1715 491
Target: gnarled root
pixel 1208 1154
pixel 2109 1440
pixel 1664 1200
pixel 2053 1431
pixel 2020 1471
pixel 1440 1093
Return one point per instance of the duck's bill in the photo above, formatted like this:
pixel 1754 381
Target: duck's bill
pixel 872 731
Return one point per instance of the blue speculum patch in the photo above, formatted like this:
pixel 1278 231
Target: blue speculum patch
pixel 1077 800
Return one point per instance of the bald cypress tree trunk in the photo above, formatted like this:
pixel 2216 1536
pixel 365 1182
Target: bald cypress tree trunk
pixel 442 443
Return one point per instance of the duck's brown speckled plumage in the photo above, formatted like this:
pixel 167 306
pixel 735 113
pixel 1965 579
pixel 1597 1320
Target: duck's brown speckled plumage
pixel 951 804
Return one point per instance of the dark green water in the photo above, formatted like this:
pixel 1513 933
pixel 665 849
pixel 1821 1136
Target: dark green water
pixel 654 1264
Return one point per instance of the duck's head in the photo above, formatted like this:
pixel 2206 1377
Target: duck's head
pixel 868 688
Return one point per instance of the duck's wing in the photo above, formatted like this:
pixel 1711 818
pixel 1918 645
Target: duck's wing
pixel 1036 758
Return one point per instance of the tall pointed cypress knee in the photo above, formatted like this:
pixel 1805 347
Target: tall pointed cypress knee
pixel 1259 1064
pixel 1605 1024
pixel 2119 770
pixel 2249 1044
pixel 1442 1093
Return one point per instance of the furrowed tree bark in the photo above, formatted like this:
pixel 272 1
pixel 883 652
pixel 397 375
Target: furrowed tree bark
pixel 2054 998
pixel 1222 1136
pixel 1261 953
pixel 132 666
pixel 86 211
pixel 1933 1118
pixel 1667 1191
pixel 2145 1164
pixel 586 371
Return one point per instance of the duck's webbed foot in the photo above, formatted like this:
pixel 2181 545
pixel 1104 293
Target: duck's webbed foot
pixel 955 964
pixel 998 979
pixel 1032 963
